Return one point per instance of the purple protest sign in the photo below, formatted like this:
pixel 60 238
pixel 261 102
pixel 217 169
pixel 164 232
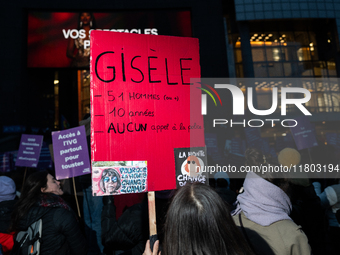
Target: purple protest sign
pixel 333 139
pixel 5 162
pixel 29 150
pixel 71 156
pixel 303 133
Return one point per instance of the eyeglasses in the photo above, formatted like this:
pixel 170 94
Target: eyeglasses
pixel 192 162
pixel 113 179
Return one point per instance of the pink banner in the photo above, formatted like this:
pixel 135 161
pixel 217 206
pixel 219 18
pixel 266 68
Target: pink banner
pixel 140 101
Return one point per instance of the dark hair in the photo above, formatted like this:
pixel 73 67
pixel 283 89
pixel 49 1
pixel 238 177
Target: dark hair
pixel 94 25
pixel 199 222
pixel 109 172
pixel 255 157
pixel 29 196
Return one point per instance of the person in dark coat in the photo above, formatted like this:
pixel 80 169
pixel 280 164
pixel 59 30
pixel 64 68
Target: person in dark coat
pixel 223 188
pixel 198 221
pixel 7 202
pixel 129 233
pixel 41 199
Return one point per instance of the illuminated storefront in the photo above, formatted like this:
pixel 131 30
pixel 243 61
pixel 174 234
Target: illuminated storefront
pixel 50 49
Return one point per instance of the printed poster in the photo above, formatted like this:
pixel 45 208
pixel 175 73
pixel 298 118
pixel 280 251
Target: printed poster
pixel 5 162
pixel 191 165
pixel 29 150
pixel 115 178
pixel 304 133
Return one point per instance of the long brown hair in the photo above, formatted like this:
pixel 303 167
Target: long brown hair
pixel 199 222
pixel 29 196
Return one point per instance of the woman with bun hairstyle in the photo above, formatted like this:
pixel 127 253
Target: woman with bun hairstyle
pixel 199 222
pixel 40 199
pixel 264 207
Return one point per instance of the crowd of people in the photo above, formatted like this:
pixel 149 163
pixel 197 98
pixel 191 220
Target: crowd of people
pixel 270 213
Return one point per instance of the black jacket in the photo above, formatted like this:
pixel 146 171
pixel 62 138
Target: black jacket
pixel 61 233
pixel 6 209
pixel 129 233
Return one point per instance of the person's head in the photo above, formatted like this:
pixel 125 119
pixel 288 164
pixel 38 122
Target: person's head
pixel 222 180
pixel 199 222
pixel 52 186
pixel 254 157
pixel 7 189
pixel 36 184
pixel 110 181
pixel 86 19
pixel 41 182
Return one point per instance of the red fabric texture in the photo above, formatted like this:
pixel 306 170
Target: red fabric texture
pixel 7 242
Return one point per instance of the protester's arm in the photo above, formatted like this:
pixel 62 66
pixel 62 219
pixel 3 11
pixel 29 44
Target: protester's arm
pixel 114 236
pixel 148 251
pixel 108 223
pixel 322 195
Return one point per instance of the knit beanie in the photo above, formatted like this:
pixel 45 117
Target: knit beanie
pixel 7 188
pixel 288 157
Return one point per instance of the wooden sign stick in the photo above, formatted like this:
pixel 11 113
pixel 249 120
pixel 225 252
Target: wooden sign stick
pixel 152 218
pixel 75 195
pixel 23 181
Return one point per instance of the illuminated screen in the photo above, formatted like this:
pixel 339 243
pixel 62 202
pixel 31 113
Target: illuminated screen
pixel 59 39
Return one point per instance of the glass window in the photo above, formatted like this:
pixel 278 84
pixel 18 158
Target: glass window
pixel 303 54
pixel 258 54
pixel 331 68
pixel 306 69
pixel 291 69
pixel 276 52
pixel 239 70
pixel 238 56
pixel 320 69
pixel 275 69
pixel 260 70
pixel 286 36
pixel 336 102
pixel 269 53
pixel 302 38
pixel 314 52
pixel 290 53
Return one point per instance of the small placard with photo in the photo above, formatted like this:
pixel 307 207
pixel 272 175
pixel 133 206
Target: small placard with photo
pixel 191 165
pixel 119 177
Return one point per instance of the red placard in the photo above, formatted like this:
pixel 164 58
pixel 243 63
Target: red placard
pixel 141 101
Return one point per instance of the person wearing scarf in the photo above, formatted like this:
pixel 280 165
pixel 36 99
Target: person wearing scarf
pixel 262 214
pixel 41 199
